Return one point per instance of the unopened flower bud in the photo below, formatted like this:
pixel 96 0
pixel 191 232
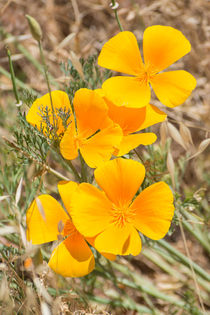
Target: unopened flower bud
pixel 34 28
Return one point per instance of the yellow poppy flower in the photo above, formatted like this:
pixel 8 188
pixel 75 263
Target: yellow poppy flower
pixel 132 120
pixel 94 136
pixel 162 46
pixel 60 102
pixel 45 219
pixel 113 217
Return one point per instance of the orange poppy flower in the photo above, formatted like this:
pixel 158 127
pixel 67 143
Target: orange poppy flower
pixel 162 46
pixel 132 120
pixel 94 136
pixel 46 220
pixel 60 102
pixel 113 217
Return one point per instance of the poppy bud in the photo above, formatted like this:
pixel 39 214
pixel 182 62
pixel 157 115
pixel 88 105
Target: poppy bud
pixel 34 28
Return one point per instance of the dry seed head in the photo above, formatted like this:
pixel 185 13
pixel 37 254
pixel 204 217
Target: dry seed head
pixel 176 135
pixel 35 28
pixel 185 134
pixel 171 167
pixel 163 133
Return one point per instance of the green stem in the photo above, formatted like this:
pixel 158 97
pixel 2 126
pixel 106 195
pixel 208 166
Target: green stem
pixel 12 76
pixel 185 261
pixel 36 64
pixel 139 156
pixel 114 7
pixel 83 169
pixel 74 170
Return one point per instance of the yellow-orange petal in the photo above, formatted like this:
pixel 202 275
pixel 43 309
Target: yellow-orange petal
pixel 119 240
pixel 129 119
pixel 66 190
pixel 162 46
pixel 99 148
pixel 173 88
pixel 121 53
pixel 90 210
pixel 68 144
pixel 154 210
pixel 120 179
pixel 153 116
pixel 42 219
pixel 60 100
pixel 127 91
pixel 72 257
pixel 91 241
pixel 131 142
pixel 91 112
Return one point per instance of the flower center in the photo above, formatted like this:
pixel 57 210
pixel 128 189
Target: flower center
pixel 122 215
pixel 147 74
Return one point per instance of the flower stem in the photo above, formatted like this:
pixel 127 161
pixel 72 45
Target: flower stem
pixel 114 6
pixel 12 73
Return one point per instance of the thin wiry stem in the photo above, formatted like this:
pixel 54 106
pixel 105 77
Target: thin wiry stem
pixel 114 6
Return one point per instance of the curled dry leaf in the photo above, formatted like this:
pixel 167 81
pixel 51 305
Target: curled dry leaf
pixel 176 135
pixel 76 63
pixel 171 167
pixel 18 191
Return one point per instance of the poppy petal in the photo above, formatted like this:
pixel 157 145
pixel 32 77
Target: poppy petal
pixel 173 88
pixel 60 100
pixel 99 148
pixel 129 119
pixel 90 210
pixel 66 190
pixel 91 112
pixel 72 257
pixel 121 53
pixel 154 210
pixel 120 179
pixel 119 240
pixel 91 241
pixel 68 144
pixel 162 46
pixel 127 91
pixel 153 116
pixel 131 142
pixel 42 219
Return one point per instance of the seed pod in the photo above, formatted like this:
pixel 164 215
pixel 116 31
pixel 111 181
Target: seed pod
pixel 35 28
